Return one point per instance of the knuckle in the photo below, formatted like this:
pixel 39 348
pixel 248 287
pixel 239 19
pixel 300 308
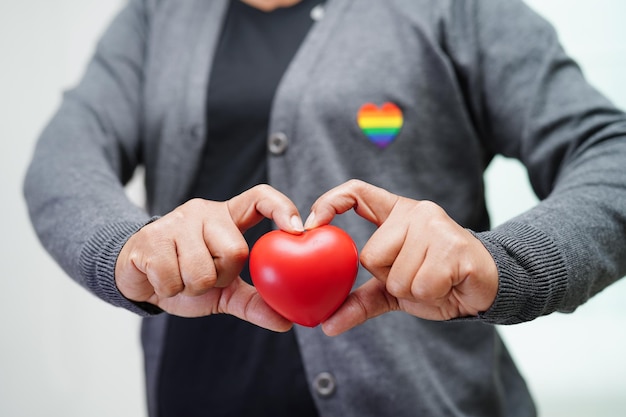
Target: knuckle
pixel 135 256
pixel 161 232
pixel 200 283
pixel 430 206
pixel 354 183
pixel 467 268
pixel 368 259
pixel 458 242
pixel 208 280
pixel 178 215
pixel 262 189
pixel 397 288
pixel 237 252
pixel 431 211
pixel 356 186
pixel 193 203
pixel 189 210
pixel 421 292
pixel 168 288
pixel 154 232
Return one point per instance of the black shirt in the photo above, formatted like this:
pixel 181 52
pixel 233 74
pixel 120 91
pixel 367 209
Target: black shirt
pixel 220 365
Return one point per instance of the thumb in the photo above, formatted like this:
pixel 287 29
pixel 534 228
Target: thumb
pixel 242 300
pixel 368 301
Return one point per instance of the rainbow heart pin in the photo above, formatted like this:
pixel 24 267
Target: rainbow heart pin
pixel 380 124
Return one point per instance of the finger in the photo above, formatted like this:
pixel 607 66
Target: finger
pixel 129 279
pixel 380 251
pixel 228 248
pixel 368 301
pixel 161 269
pixel 196 265
pixel 406 264
pixel 432 283
pixel 251 206
pixel 368 201
pixel 242 300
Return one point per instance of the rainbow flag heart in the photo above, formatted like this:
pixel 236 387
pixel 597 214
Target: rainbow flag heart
pixel 380 124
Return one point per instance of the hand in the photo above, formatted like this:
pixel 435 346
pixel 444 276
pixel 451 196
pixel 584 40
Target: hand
pixel 422 261
pixel 188 262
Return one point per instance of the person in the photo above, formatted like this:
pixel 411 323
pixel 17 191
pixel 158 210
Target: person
pixel 380 117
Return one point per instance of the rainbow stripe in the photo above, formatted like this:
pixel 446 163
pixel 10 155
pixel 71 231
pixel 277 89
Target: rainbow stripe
pixel 380 125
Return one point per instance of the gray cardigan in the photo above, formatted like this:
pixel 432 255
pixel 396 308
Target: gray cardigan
pixel 472 78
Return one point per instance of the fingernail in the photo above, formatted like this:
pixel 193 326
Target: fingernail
pixel 296 223
pixel 329 329
pixel 310 221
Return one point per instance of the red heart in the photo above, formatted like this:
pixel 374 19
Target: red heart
pixel 304 277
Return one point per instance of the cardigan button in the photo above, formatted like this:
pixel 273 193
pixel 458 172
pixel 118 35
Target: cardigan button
pixel 277 143
pixel 324 384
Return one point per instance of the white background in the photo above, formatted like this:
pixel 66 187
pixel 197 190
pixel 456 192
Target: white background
pixel 65 353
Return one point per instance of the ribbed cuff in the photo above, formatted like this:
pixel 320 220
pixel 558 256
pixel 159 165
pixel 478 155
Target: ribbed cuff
pixel 532 273
pixel 97 262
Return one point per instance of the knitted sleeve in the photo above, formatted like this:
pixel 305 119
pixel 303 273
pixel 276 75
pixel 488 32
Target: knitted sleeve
pixel 530 101
pixel 74 184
